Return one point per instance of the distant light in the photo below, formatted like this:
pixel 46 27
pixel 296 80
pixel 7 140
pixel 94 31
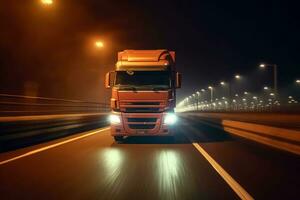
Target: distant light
pixel 254 97
pixel 198 92
pixel 236 95
pixel 47 2
pixel 234 100
pixel 290 97
pixel 262 65
pixel 99 44
pixel 244 100
pixel 272 94
pixel 245 92
pixel 194 95
pixel 298 81
pixel 210 87
pixel 237 76
pixel 266 88
pixel 203 90
pixel 222 83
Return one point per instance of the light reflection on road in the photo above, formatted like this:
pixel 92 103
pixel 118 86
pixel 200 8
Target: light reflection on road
pixel 168 164
pixel 112 160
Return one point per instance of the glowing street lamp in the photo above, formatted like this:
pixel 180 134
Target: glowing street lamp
pixel 47 2
pixel 222 83
pixel 237 76
pixel 262 65
pixel 266 88
pixel 298 81
pixel 99 44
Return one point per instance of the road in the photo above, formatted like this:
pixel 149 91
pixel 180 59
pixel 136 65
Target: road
pixel 90 165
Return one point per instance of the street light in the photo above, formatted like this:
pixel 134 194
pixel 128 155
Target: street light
pixel 275 74
pixel 211 93
pixel 237 76
pixel 266 88
pixel 298 81
pixel 99 44
pixel 222 83
pixel 262 65
pixel 47 2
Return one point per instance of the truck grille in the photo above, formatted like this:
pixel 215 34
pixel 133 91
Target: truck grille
pixel 141 126
pixel 152 119
pixel 142 103
pixel 141 110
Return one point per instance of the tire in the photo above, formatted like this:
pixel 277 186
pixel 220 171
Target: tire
pixel 118 138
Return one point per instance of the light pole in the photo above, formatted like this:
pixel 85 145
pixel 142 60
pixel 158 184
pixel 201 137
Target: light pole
pixel 211 93
pixel 275 76
pixel 228 84
pixel 198 96
pixel 194 101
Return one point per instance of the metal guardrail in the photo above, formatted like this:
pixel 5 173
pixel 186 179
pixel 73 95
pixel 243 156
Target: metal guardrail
pixel 12 105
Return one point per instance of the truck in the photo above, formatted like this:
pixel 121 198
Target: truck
pixel 143 97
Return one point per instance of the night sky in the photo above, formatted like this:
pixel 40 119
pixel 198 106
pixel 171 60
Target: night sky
pixel 48 51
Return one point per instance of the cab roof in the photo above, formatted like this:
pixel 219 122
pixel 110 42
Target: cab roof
pixel 145 59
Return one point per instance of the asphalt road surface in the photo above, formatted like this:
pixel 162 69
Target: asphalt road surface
pixel 199 163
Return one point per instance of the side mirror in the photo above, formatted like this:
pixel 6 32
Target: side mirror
pixel 178 80
pixel 108 79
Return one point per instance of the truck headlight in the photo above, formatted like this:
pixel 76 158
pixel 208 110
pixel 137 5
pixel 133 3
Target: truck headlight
pixel 170 119
pixel 114 119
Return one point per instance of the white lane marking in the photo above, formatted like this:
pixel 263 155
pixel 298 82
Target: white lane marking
pixel 53 145
pixel 236 187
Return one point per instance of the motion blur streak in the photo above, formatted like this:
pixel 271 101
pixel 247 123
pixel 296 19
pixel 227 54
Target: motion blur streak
pixel 168 162
pixel 52 146
pixel 112 160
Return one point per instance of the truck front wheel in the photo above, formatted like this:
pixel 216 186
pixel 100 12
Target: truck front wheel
pixel 118 138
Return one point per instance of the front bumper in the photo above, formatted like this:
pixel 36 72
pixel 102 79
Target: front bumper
pixel 141 124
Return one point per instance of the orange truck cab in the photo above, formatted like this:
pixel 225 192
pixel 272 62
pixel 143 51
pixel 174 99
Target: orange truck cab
pixel 143 93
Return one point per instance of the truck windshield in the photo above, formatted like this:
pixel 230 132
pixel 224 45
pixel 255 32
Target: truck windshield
pixel 143 79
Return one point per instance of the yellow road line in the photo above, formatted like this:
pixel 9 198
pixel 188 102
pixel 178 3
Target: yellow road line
pixel 53 145
pixel 236 187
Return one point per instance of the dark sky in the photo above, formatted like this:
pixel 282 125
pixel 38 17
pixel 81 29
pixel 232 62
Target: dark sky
pixel 48 51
